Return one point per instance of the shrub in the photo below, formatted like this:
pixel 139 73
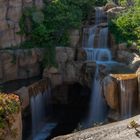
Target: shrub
pixel 126 27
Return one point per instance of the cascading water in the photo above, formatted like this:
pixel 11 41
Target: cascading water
pixel 40 109
pixel 126 100
pixel 92 32
pixel 103 38
pixel 101 55
pixel 100 15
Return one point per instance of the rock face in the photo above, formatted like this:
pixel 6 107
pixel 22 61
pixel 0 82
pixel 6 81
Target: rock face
pixel 113 12
pixel 20 63
pixel 10 13
pixel 110 90
pixel 111 131
pixel 68 70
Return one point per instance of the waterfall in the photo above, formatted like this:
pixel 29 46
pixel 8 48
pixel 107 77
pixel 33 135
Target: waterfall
pixel 92 32
pixel 102 54
pixel 39 109
pixel 128 95
pixel 100 15
pixel 103 38
pixel 98 107
pixel 126 100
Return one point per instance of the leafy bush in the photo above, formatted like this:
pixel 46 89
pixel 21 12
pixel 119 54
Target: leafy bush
pixel 50 27
pixel 9 106
pixel 126 27
pixel 101 2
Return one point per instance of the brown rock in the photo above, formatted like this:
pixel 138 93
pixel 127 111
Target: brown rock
pixel 81 54
pixel 64 54
pixel 109 6
pixel 125 57
pixel 3 10
pixel 74 36
pixel 24 97
pixel 110 91
pixel 14 13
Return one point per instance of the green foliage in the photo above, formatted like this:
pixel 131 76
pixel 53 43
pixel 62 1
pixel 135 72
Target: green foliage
pixel 49 59
pixel 50 27
pixel 126 27
pixel 101 2
pixel 9 106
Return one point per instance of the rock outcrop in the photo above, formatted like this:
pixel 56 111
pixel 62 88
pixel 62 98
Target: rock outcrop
pixel 113 131
pixel 20 63
pixel 68 70
pixel 110 91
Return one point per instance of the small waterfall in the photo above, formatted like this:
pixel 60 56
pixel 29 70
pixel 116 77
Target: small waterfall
pixel 100 15
pixel 98 107
pixel 128 95
pixel 103 38
pixel 85 37
pixel 39 109
pixel 92 32
pixel 126 100
pixel 102 54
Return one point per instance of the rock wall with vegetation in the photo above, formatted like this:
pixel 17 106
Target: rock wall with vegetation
pixel 10 14
pixel 20 63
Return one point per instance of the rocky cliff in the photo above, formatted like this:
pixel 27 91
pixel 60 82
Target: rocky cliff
pixel 10 13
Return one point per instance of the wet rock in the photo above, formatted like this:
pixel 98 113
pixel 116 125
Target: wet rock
pixel 88 71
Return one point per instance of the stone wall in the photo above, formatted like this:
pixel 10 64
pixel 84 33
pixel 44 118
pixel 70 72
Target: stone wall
pixel 10 13
pixel 20 63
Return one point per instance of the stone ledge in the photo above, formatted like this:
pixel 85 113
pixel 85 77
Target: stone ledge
pixel 113 131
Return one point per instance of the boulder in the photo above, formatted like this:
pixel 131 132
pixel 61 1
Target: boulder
pixel 135 62
pixel 109 6
pixel 113 12
pixel 54 75
pixel 125 57
pixel 122 47
pixel 110 91
pixel 88 71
